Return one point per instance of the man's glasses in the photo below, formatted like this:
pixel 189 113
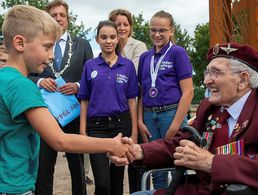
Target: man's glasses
pixel 161 31
pixel 213 73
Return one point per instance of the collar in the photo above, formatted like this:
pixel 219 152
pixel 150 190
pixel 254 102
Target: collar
pixel 163 49
pixel 130 41
pixel 64 36
pixel 120 61
pixel 235 109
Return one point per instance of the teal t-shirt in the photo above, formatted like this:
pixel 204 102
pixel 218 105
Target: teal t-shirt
pixel 19 142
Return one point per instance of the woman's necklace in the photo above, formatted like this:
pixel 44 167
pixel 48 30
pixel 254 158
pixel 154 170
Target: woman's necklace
pixel 110 62
pixel 67 65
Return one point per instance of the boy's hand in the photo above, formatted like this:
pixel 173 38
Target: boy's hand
pixel 48 84
pixel 122 161
pixel 122 149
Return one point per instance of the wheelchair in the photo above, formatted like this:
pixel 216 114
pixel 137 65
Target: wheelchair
pixel 232 189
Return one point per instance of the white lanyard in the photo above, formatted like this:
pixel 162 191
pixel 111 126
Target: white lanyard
pixel 154 72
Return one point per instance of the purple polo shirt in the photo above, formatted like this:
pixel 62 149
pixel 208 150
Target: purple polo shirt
pixel 108 89
pixel 174 67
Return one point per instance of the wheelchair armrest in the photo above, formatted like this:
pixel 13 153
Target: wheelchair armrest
pixel 240 189
pixel 147 173
pixel 150 170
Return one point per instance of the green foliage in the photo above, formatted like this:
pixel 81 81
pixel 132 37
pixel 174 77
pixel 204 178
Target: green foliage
pixel 182 38
pixel 74 29
pixel 199 52
pixel 141 30
pixel 199 60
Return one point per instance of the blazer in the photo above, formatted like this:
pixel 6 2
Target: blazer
pixel 133 49
pixel 226 169
pixel 81 53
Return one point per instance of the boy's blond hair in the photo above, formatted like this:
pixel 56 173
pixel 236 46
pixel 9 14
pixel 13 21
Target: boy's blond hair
pixel 28 21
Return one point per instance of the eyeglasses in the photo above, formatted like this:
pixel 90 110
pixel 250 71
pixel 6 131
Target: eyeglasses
pixel 161 31
pixel 213 73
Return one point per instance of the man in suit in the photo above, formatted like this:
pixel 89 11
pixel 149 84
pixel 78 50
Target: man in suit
pixel 75 52
pixel 227 119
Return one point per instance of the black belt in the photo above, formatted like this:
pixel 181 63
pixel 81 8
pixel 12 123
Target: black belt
pixel 160 108
pixel 111 118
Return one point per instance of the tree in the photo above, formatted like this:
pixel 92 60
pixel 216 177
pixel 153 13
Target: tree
pixel 182 38
pixel 200 45
pixel 141 30
pixel 76 30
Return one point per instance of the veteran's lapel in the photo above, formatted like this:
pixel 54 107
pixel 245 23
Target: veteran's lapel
pixel 245 116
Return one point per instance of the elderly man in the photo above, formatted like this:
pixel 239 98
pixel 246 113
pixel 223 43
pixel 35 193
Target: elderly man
pixel 228 121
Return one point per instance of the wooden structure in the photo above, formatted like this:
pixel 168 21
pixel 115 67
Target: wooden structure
pixel 234 21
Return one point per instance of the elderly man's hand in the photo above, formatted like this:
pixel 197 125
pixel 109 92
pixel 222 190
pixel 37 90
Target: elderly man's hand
pixel 189 155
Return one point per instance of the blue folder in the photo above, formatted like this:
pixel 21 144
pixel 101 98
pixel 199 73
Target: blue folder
pixel 65 108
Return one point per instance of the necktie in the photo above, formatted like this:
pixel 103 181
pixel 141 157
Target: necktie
pixel 58 56
pixel 221 137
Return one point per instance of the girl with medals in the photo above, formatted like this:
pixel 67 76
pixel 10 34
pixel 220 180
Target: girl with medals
pixel 108 92
pixel 165 77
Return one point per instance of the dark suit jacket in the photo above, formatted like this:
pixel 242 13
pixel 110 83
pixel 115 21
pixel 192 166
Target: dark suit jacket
pixel 81 53
pixel 226 169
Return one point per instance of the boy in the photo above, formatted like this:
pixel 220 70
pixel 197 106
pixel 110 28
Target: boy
pixel 29 36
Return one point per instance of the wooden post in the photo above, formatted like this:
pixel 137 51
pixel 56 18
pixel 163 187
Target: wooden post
pixel 220 21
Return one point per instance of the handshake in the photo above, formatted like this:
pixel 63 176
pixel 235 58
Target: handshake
pixel 124 151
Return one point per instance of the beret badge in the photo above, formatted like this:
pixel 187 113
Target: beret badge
pixel 228 49
pixel 215 49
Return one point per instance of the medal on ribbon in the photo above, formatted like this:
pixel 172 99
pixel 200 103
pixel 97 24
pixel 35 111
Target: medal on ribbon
pixel 153 91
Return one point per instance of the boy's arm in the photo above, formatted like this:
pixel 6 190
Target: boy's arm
pixel 45 124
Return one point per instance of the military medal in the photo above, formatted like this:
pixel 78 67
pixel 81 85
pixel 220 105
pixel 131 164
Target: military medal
pixel 153 91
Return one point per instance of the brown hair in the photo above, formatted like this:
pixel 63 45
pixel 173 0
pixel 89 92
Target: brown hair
pixel 166 15
pixel 111 24
pixel 56 3
pixel 112 16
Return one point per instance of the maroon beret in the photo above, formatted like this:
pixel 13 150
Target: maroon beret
pixel 243 53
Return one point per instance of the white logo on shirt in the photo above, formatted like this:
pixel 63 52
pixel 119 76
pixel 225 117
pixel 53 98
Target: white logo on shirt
pixel 166 65
pixel 120 78
pixel 93 74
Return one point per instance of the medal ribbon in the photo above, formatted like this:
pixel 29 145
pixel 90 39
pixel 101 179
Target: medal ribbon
pixel 236 147
pixel 154 72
